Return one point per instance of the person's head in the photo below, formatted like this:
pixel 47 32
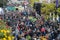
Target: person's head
pixel 34 35
pixel 22 23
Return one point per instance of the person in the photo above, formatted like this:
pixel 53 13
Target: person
pixel 34 30
pixel 43 31
pixel 1 13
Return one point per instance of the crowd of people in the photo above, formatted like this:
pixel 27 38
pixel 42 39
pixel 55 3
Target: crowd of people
pixel 28 29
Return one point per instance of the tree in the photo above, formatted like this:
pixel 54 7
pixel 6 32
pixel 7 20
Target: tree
pixel 48 8
pixel 3 2
pixel 58 11
pixel 32 2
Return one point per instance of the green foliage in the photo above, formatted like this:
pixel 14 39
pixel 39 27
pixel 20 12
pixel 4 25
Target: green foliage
pixel 3 25
pixel 1 35
pixel 47 8
pixel 32 2
pixel 58 11
pixel 3 2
